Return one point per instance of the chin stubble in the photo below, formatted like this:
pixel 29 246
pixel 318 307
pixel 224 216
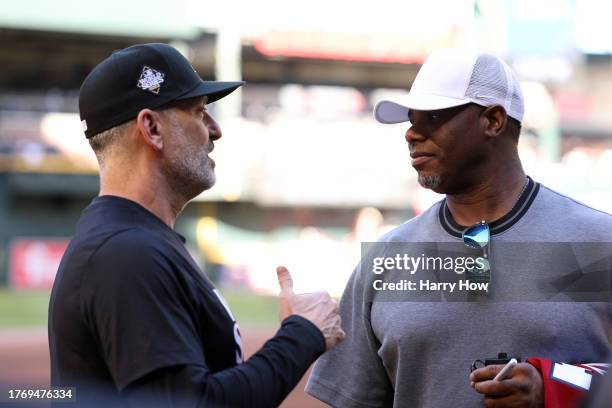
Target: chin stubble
pixel 191 172
pixel 431 182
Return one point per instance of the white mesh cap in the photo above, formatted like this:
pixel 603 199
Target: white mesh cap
pixel 454 77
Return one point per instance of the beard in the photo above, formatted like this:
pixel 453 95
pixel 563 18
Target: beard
pixel 188 169
pixel 430 182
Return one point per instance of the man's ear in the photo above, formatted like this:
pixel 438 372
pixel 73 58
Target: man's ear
pixel 148 123
pixel 495 120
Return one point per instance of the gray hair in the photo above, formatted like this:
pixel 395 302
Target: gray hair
pixel 105 142
pixel 430 181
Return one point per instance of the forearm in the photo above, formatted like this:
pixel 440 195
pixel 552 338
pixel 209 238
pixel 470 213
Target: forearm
pixel 263 381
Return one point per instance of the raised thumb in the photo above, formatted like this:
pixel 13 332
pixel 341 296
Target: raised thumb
pixel 285 281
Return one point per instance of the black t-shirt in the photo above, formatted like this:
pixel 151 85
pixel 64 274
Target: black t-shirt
pixel 132 319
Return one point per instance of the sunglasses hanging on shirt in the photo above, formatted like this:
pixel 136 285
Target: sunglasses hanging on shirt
pixel 477 237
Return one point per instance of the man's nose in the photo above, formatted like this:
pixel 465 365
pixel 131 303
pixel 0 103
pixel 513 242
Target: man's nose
pixel 413 135
pixel 214 130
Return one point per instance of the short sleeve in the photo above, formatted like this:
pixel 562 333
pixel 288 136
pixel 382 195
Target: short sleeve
pixel 352 374
pixel 136 308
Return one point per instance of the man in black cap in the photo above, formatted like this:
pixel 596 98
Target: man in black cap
pixel 132 319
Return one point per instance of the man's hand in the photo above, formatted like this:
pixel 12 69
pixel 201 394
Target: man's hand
pixel 522 387
pixel 317 307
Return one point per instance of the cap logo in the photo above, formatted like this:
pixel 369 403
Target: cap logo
pixel 150 80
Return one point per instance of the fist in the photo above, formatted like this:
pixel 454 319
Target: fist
pixel 318 307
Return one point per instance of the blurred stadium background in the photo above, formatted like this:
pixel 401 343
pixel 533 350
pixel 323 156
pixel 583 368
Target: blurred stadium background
pixel 304 172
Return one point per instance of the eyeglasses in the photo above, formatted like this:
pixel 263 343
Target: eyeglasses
pixel 477 237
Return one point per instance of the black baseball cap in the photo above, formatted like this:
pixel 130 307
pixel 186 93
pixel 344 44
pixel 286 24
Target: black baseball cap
pixel 138 77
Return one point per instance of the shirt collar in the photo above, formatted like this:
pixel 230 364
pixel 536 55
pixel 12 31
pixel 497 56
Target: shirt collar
pixel 500 225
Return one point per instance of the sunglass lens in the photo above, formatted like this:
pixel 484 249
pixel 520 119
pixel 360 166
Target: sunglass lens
pixel 481 272
pixel 477 236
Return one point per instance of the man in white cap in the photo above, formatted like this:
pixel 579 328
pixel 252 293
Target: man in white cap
pixel 465 110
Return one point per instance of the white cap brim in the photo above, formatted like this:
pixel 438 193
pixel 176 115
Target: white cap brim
pixel 389 112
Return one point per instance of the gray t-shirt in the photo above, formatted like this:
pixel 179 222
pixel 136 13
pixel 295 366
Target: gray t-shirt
pixel 418 354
